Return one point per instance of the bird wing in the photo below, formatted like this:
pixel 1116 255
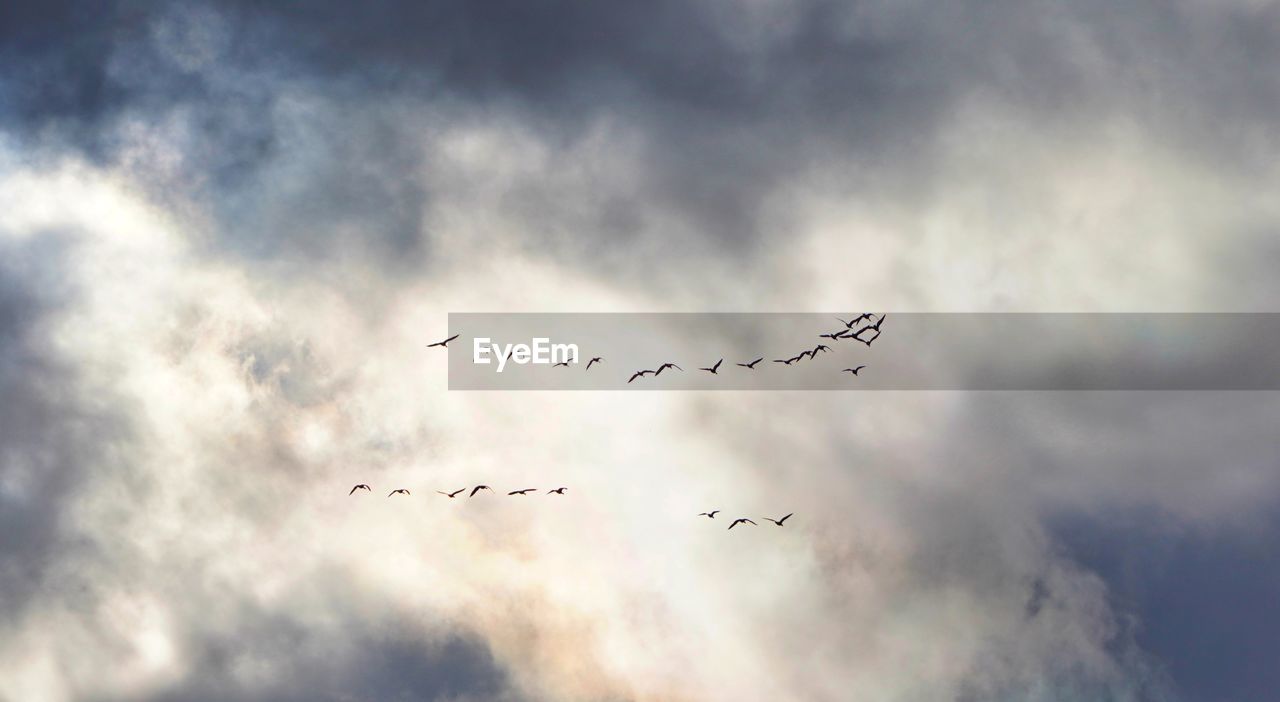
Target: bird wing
pixel 353 490
pixel 780 521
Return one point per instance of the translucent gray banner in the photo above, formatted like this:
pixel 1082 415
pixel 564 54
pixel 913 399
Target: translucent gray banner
pixel 897 351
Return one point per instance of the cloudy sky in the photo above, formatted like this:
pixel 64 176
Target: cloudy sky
pixel 228 231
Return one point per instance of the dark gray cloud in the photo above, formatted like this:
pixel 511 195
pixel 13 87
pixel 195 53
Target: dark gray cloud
pixel 731 103
pixel 653 149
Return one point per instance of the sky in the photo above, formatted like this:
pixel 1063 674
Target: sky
pixel 230 230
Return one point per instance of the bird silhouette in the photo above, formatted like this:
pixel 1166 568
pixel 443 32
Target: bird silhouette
pixel 778 521
pixel 751 365
pixel 562 363
pixel 557 491
pixel 714 370
pixel 401 491
pixel 361 486
pixel 444 344
pixel 849 324
pixel 525 491
pixel 788 361
pixel 820 347
pixel 736 522
pixel 478 488
pixel 853 370
pixel 865 341
pixel 834 335
pixel 709 515
pixel 666 366
pixel 597 359
pixel 640 374
pixel 453 494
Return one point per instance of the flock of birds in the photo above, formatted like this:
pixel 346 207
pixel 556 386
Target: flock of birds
pixel 557 491
pixel 869 324
pixel 866 322
pixel 455 493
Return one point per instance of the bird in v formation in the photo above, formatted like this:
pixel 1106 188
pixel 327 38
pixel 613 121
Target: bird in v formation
pixel 443 344
pixel 459 491
pixel 848 332
pixel 560 491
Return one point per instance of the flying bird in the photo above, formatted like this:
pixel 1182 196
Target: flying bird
pixel 597 359
pixel 401 491
pixel 778 521
pixel 736 522
pixel 525 491
pixel 666 366
pixel 640 374
pixel 820 347
pixel 453 494
pixel 478 488
pixel 361 486
pixel 562 363
pixel 834 335
pixel 709 515
pixel 849 324
pixel 557 491
pixel 714 370
pixel 853 370
pixel 444 344
pixel 751 365
pixel 789 361
pixel 866 341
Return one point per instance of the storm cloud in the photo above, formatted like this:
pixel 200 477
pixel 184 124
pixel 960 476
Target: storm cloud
pixel 229 230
